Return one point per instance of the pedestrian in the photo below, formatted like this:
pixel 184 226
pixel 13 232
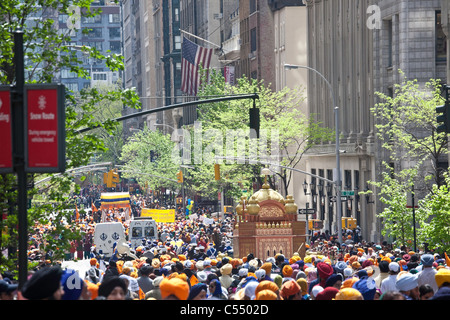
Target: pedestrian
pixel 144 281
pixel 427 275
pixel 426 291
pixel 407 284
pixel 442 277
pixel 8 291
pixel 290 290
pixel 111 270
pixel 155 293
pixel 383 266
pixel 74 287
pixel 174 289
pixel 44 284
pixel 389 283
pixel 112 288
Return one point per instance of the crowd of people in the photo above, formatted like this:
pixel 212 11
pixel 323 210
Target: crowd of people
pixel 194 260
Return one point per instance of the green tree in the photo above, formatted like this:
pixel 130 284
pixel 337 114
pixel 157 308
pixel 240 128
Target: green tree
pixel 47 50
pixel 286 134
pixel 406 126
pixel 147 157
pixel 435 209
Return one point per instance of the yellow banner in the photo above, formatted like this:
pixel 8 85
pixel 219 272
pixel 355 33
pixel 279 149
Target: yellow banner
pixel 159 215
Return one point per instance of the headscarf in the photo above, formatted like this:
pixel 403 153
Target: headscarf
pixel 217 288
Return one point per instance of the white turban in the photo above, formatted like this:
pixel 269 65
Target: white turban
pixel 407 282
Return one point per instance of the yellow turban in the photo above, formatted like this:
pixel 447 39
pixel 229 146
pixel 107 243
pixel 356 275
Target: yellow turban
pixel 442 276
pixel 349 294
pixel 303 285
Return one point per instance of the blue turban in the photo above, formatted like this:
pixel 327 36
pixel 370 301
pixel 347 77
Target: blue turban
pixel 366 285
pixel 196 289
pixel 72 285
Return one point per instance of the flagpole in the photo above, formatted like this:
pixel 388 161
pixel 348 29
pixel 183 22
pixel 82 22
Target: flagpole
pixel 193 35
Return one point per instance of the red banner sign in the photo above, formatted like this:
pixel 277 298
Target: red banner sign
pixel 45 135
pixel 6 164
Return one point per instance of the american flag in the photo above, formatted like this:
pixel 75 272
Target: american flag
pixel 192 57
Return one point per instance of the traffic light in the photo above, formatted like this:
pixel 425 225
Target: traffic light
pixel 114 178
pixel 110 178
pixel 217 171
pixel 443 119
pixel 254 118
pixel 180 176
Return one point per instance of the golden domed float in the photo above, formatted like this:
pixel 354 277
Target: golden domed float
pixel 266 223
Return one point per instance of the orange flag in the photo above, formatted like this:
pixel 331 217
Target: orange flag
pixel 77 213
pixel 193 280
pixel 94 208
pixel 447 259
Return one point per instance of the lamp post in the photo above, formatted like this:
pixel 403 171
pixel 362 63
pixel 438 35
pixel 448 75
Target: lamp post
pixel 338 159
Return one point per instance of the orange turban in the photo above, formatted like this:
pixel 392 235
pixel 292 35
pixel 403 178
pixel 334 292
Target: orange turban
pixel 266 285
pixel 92 288
pixel 349 282
pixel 266 295
pixel 267 266
pixel 289 288
pixel 287 271
pixel 93 262
pixel 176 287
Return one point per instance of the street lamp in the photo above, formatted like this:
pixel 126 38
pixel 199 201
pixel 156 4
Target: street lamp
pixel 338 159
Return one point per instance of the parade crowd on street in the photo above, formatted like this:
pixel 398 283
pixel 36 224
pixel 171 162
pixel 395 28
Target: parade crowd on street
pixel 192 260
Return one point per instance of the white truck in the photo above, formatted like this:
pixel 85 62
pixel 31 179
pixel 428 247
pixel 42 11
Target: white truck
pixel 106 234
pixel 140 228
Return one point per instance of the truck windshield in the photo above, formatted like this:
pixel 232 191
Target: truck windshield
pixel 149 232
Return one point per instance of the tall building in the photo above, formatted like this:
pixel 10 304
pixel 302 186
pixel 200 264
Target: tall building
pixel 103 32
pixel 358 59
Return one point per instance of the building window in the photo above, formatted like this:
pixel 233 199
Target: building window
pixel 95 19
pixel 253 40
pixel 114 32
pixel 93 32
pixel 177 40
pixel 441 39
pixel 389 43
pixel 114 18
pixel 114 46
pixel 252 6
